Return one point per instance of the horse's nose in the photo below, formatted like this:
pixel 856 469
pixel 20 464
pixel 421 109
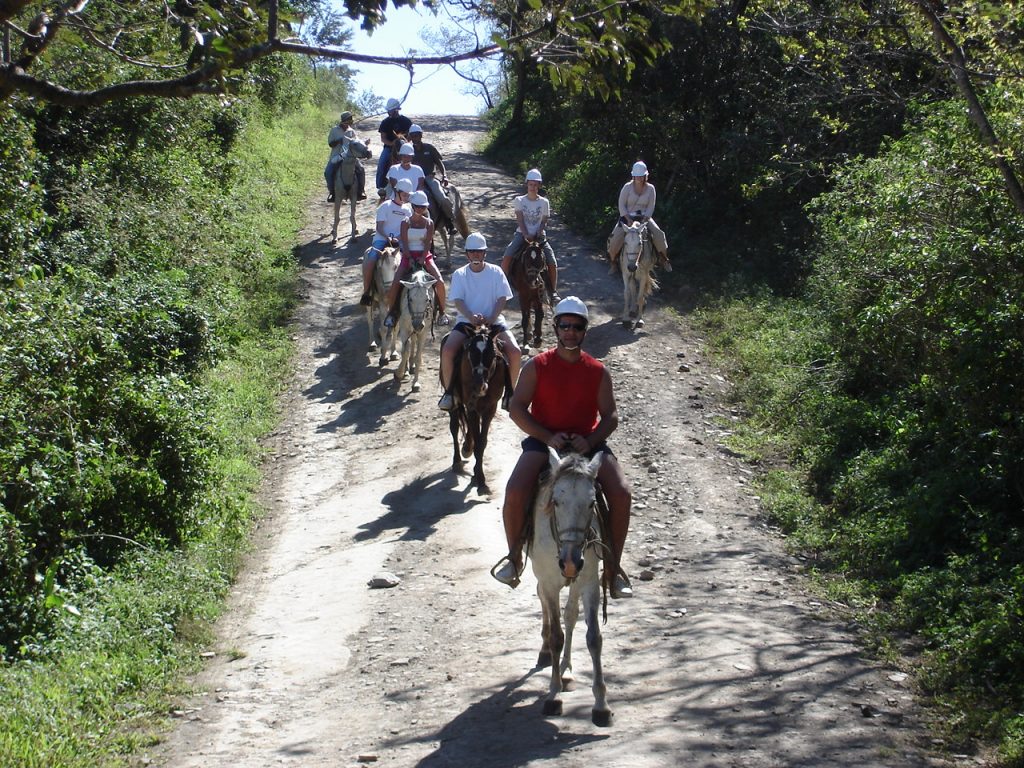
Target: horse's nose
pixel 571 566
pixel 418 325
pixel 632 267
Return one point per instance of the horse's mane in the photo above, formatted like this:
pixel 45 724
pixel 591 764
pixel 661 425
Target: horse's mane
pixel 573 464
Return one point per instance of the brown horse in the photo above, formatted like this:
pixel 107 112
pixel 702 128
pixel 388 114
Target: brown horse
pixel 480 378
pixel 526 274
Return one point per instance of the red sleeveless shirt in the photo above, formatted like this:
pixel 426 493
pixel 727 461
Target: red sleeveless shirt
pixel 565 399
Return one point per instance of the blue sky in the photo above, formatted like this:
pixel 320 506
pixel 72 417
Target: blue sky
pixel 435 91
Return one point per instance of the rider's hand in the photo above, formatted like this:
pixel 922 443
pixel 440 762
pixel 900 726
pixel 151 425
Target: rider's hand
pixel 559 441
pixel 579 443
pixel 479 320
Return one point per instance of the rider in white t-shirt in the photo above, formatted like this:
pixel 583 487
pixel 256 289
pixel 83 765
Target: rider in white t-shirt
pixel 390 215
pixel 479 292
pixel 532 213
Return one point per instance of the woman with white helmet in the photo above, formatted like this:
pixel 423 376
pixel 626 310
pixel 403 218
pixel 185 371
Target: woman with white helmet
pixel 565 400
pixel 390 216
pixel 532 213
pixel 405 170
pixel 636 203
pixel 416 238
pixel 479 292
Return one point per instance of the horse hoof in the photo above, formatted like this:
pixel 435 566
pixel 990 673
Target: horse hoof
pixel 552 708
pixel 373 346
pixel 543 659
pixel 393 356
pixel 639 323
pixel 416 387
pixel 602 718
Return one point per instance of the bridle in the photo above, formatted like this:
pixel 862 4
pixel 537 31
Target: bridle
pixel 644 240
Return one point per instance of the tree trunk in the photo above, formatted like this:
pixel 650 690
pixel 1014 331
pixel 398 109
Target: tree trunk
pixel 955 58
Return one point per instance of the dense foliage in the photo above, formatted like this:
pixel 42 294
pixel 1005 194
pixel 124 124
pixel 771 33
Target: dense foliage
pixel 826 182
pixel 146 267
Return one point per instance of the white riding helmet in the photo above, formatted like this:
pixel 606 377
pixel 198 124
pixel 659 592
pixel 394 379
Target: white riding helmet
pixel 415 129
pixel 476 242
pixel 533 175
pixel 419 197
pixel 572 305
pixel 404 185
pixel 394 104
pixel 639 168
pixel 407 149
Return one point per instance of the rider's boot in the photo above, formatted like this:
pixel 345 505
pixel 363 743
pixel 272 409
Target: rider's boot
pixel 663 261
pixel 361 178
pixel 508 571
pixel 551 282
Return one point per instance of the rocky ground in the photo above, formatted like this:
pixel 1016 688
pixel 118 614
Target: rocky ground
pixel 722 658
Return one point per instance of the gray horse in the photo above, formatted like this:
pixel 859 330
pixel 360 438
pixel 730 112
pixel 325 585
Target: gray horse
pixel 346 187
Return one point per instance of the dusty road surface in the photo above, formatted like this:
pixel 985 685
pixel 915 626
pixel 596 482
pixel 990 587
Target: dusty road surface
pixel 721 659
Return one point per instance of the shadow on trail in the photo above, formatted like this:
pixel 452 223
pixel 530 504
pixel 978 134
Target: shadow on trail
pixel 421 505
pixel 501 732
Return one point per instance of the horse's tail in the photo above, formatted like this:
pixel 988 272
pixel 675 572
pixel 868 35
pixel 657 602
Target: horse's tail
pixel 461 223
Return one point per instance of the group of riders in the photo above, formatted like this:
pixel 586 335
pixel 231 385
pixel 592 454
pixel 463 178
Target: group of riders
pixel 562 398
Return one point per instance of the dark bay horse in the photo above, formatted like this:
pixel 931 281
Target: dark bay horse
pixel 479 379
pixel 526 274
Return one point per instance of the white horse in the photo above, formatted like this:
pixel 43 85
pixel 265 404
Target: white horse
pixel 638 281
pixel 443 227
pixel 381 336
pixel 565 551
pixel 417 305
pixel 346 186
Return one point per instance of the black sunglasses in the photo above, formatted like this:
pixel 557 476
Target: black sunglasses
pixel 578 327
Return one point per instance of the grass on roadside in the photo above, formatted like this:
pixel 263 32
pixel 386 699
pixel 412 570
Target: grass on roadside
pixel 103 686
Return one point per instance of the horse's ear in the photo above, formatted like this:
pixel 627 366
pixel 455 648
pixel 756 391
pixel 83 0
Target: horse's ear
pixel 407 283
pixel 595 464
pixel 554 458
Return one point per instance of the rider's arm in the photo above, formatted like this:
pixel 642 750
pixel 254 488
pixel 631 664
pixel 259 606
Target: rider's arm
pixel 608 410
pixel 404 238
pixel 463 310
pixel 499 307
pixel 624 204
pixel 521 222
pixel 438 163
pixel 650 199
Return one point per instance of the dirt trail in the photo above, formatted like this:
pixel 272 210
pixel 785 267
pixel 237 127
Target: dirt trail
pixel 720 660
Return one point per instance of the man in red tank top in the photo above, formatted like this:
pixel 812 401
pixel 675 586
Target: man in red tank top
pixel 564 400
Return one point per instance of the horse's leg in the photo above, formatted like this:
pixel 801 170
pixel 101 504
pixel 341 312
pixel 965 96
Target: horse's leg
pixel 643 288
pixel 453 425
pixel 483 423
pixel 354 198
pixel 372 329
pixel 538 323
pixel 403 364
pixel 337 217
pixel 601 715
pixel 626 280
pixel 416 339
pixel 544 657
pixel 572 613
pixel 548 591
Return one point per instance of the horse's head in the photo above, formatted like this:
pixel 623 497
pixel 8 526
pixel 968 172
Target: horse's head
pixel 417 297
pixel 636 245
pixel 533 259
pixel 359 149
pixel 572 508
pixel 481 355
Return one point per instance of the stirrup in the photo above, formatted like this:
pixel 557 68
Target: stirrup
pixel 509 573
